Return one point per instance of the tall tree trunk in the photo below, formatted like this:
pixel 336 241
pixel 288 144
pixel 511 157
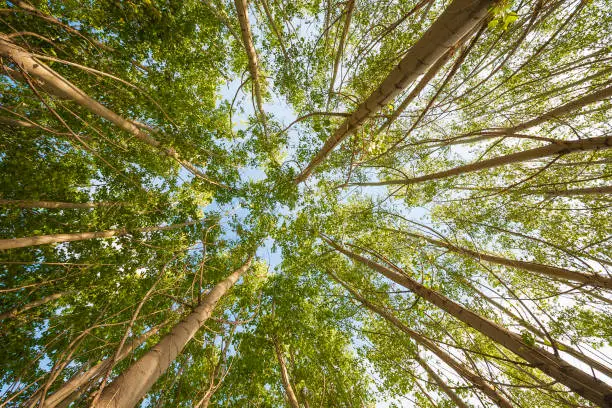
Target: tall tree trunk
pixel 441 383
pixel 134 383
pixel 293 402
pixel 57 85
pixel 459 368
pixel 578 381
pixel 564 109
pixel 80 236
pixel 553 149
pixel 545 270
pixel 75 383
pixel 247 40
pixel 431 73
pixel 555 113
pixel 538 332
pixel 579 191
pixel 18 310
pixel 459 18
pixel 55 204
pixel 350 7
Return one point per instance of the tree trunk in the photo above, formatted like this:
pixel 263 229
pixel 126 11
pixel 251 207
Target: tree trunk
pixel 564 109
pixel 459 18
pixel 563 346
pixel 293 402
pixel 55 84
pixel 247 40
pixel 74 384
pixel 579 191
pixel 31 305
pixel 553 149
pixel 350 7
pixel 441 383
pixel 578 381
pixel 459 368
pixel 432 72
pixel 12 243
pixel 134 383
pixel 540 269
pixel 55 204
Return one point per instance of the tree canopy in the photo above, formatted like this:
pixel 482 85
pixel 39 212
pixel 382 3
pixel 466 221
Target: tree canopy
pixel 317 203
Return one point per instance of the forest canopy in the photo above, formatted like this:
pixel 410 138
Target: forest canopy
pixel 313 203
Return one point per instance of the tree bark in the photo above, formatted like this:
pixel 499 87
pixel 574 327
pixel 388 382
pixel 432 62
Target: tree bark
pixel 459 368
pixel 18 310
pixel 55 204
pixel 553 149
pixel 441 383
pixel 134 383
pixel 291 397
pixel 12 243
pixel 247 40
pixel 54 83
pixel 459 18
pixel 540 269
pixel 564 109
pixel 563 346
pixel 579 191
pixel 431 73
pixel 74 384
pixel 577 380
pixel 350 7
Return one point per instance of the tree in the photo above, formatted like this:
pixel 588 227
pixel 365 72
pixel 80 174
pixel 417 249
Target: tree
pixel 452 247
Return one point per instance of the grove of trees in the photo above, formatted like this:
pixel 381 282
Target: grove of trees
pixel 313 203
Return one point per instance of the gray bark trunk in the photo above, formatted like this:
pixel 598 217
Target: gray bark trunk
pixel 134 383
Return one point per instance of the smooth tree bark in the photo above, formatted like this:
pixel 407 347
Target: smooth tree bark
pixel 56 204
pixel 441 383
pixel 552 149
pixel 552 272
pixel 76 383
pixel 350 7
pixel 53 83
pixel 18 310
pixel 538 332
pixel 280 356
pixel 12 243
pixel 575 379
pixel 564 110
pixel 553 114
pixel 247 41
pixel 459 18
pixel 599 190
pixel 134 383
pixel 429 75
pixel 459 367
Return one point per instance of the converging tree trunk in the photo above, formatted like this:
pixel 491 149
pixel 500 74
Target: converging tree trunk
pixel 56 204
pixel 57 85
pixel 134 383
pixel 12 243
pixel 441 383
pixel 552 272
pixel 578 381
pixel 75 384
pixel 18 310
pixel 553 149
pixel 459 368
pixel 247 40
pixel 350 7
pixel 291 397
pixel 459 18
